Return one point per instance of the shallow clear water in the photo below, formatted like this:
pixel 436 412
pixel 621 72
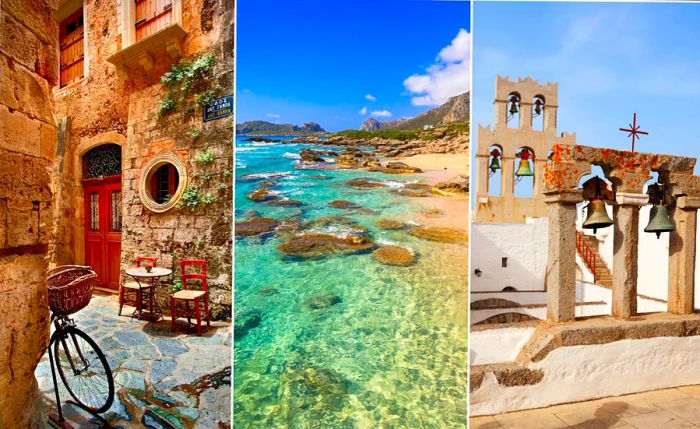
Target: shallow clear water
pixel 392 353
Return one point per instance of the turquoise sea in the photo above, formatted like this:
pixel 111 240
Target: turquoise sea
pixel 391 350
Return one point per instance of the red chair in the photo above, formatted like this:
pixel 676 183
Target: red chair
pixel 194 296
pixel 130 291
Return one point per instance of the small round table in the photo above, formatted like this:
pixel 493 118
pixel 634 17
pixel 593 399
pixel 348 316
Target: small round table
pixel 151 278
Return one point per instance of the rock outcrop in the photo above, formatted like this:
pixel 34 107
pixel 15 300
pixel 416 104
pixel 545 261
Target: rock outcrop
pixel 256 226
pixel 317 245
pixel 394 255
pixel 440 234
pixel 458 185
pixel 396 167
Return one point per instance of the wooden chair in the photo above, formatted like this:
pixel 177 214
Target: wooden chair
pixel 187 295
pixel 130 291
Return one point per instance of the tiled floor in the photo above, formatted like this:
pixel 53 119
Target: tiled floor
pixel 163 379
pixel 661 409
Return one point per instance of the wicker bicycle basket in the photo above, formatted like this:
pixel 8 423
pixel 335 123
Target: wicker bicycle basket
pixel 70 288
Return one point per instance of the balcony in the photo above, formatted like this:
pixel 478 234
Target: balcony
pixel 141 55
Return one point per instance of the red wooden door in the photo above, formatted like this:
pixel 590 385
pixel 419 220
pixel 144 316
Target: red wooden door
pixel 103 228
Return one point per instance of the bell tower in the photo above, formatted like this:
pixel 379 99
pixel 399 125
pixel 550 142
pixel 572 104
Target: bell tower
pixel 524 131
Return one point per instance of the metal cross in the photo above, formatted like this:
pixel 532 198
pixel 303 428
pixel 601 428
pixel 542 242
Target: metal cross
pixel 633 130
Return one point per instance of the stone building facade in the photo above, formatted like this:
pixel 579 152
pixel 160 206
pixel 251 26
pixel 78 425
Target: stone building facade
pixel 101 160
pixel 127 46
pixel 28 71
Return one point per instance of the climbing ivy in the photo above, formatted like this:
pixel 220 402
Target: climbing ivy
pixel 193 197
pixel 190 82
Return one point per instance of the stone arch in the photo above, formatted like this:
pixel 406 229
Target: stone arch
pixel 538 103
pixel 489 303
pixel 513 115
pixel 509 317
pixel 495 179
pixel 525 184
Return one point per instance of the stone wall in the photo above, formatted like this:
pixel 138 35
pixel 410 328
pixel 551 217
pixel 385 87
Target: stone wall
pixel 104 108
pixel 204 232
pixel 27 149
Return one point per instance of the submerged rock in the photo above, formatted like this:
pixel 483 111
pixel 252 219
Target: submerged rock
pixel 284 202
pixel 310 389
pixel 457 185
pixel 262 194
pixel 390 224
pixel 320 177
pixel 418 186
pixel 254 177
pixel 256 226
pixel 441 234
pixel 410 193
pixel 342 204
pixel 245 321
pixel 365 182
pixel 331 220
pixel 323 300
pixel 396 167
pixel 267 291
pixel 315 245
pixel 394 255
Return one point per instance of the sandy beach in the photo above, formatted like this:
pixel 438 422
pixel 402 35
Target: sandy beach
pixel 439 167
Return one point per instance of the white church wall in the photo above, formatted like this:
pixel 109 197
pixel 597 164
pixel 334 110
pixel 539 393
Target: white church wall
pixel 579 373
pixel 497 345
pixel 524 246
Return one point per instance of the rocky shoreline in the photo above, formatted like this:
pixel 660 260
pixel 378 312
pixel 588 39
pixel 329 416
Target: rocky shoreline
pixel 438 141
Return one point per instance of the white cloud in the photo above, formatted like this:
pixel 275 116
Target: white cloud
pixel 381 113
pixel 449 76
pixel 363 111
pixel 370 97
pixel 273 115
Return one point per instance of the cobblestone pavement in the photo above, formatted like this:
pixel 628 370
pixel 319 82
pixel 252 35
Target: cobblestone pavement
pixel 667 409
pixel 163 379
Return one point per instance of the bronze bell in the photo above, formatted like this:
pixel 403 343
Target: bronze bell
pixel 524 169
pixel 538 107
pixel 659 220
pixel 495 165
pixel 513 106
pixel 597 216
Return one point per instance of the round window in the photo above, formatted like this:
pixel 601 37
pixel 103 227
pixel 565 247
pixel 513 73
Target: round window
pixel 162 182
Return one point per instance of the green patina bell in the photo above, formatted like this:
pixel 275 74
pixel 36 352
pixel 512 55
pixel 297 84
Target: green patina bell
pixel 524 169
pixel 659 221
pixel 597 216
pixel 495 165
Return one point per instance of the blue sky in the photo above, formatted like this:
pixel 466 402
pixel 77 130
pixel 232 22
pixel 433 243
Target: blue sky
pixel 610 60
pixel 329 60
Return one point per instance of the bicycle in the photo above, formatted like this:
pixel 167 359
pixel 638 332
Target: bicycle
pixel 80 363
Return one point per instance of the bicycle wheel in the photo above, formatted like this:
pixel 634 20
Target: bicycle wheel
pixel 84 369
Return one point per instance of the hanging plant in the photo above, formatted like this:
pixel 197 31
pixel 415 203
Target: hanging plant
pixel 190 83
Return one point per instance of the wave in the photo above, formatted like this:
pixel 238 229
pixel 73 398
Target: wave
pixel 291 155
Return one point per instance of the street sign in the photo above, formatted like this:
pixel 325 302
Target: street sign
pixel 220 108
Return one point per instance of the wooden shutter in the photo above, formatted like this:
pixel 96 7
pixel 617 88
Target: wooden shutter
pixel 71 45
pixel 152 16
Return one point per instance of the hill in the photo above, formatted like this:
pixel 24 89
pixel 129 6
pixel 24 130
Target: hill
pixel 269 129
pixel 456 109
